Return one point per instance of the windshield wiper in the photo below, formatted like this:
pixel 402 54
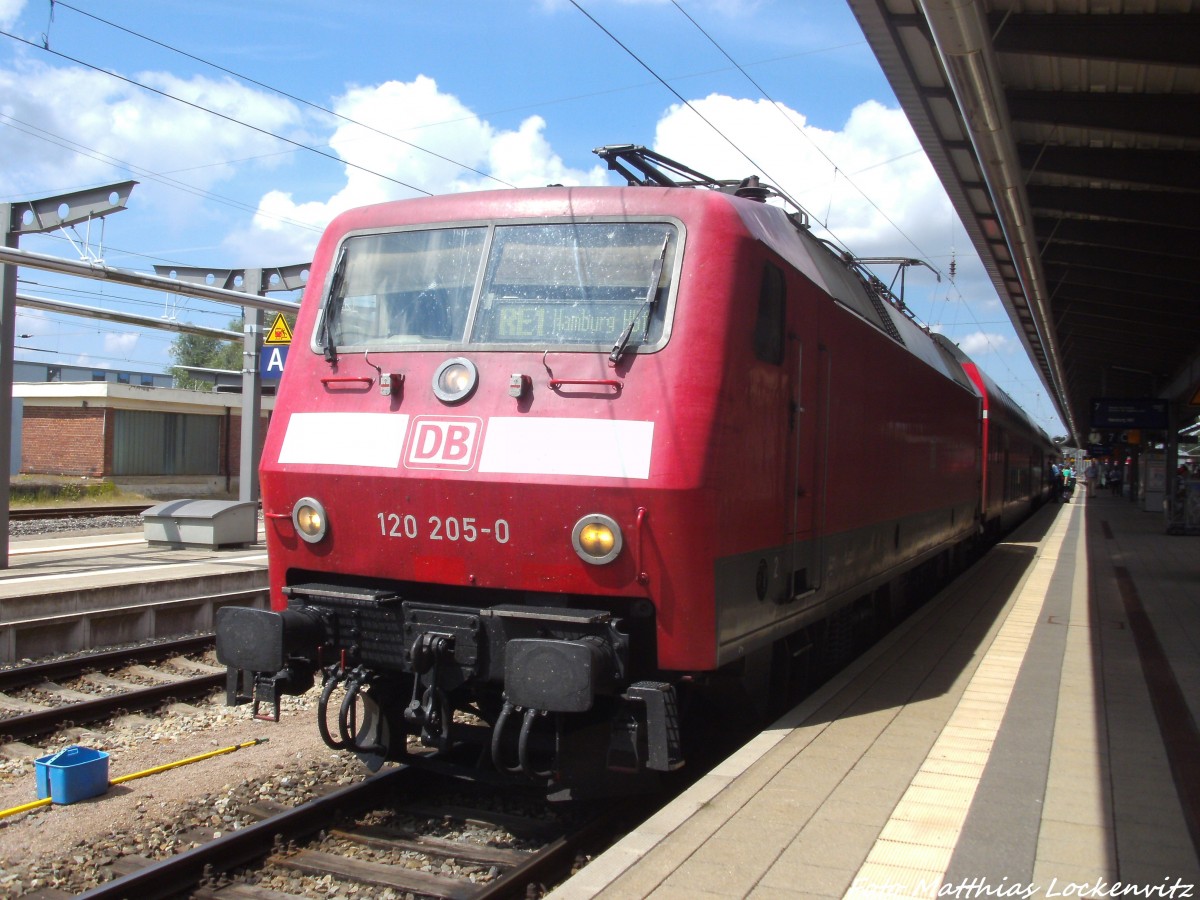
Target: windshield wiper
pixel 334 307
pixel 618 349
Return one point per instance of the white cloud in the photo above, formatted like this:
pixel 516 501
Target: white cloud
pixel 978 343
pixel 877 149
pixel 383 168
pixel 896 206
pixel 853 181
pixel 64 128
pixel 9 10
pixel 402 110
pixel 868 182
pixel 120 345
pixel 524 158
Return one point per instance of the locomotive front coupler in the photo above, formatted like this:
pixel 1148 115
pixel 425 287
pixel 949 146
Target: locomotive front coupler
pixel 429 712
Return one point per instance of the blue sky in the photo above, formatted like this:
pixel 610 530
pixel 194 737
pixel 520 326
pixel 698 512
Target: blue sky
pixel 335 105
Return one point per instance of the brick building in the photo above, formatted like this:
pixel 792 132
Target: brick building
pixel 155 439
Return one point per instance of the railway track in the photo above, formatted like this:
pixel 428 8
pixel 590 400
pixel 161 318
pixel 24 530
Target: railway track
pixel 91 511
pixel 380 833
pixel 20 719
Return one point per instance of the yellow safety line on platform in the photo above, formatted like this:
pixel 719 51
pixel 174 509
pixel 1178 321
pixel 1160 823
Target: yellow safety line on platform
pixel 913 850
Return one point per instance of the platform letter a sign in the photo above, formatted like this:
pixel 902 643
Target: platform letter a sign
pixel 273 359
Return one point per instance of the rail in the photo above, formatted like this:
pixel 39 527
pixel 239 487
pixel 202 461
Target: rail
pixel 269 843
pixel 36 513
pixel 21 725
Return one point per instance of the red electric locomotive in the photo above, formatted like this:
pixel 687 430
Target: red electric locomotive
pixel 541 459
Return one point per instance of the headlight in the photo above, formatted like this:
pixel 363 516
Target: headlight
pixel 597 539
pixel 454 380
pixel 308 515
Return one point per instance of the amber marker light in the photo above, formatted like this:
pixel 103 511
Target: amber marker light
pixel 454 380
pixel 308 515
pixel 597 539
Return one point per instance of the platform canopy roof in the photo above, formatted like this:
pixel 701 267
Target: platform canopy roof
pixel 1067 134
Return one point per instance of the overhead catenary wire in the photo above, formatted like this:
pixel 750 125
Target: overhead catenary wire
pixel 778 107
pixel 748 158
pixel 183 186
pixel 316 106
pixel 220 115
pixel 279 91
pixel 301 145
pixel 538 105
pixel 761 169
pixel 677 95
pixel 58 140
pixel 848 177
pixel 265 86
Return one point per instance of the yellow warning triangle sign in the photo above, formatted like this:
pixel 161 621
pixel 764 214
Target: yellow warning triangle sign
pixel 278 333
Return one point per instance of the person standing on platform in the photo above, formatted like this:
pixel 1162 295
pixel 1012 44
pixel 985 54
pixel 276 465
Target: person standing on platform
pixel 1056 482
pixel 1090 474
pixel 1114 480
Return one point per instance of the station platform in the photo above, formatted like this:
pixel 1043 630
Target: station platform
pixel 65 594
pixel 1029 732
pixel 46 564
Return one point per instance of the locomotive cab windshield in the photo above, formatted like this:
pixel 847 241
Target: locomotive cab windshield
pixel 544 285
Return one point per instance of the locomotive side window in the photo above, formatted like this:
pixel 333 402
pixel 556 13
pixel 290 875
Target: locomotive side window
pixel 771 324
pixel 571 283
pixel 542 285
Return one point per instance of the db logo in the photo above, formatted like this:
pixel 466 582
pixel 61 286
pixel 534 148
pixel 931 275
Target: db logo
pixel 451 443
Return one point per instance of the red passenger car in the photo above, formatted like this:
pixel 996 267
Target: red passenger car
pixel 1016 453
pixel 541 459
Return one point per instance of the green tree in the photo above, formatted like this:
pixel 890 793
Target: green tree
pixel 206 353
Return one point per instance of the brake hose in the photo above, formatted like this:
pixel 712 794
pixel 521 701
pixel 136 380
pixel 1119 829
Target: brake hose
pixel 497 734
pixel 523 746
pixel 348 719
pixel 332 679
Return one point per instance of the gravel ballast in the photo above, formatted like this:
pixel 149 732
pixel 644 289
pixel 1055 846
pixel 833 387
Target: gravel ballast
pixel 64 846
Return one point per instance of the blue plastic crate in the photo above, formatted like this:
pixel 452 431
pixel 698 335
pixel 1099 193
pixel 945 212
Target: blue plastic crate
pixel 71 775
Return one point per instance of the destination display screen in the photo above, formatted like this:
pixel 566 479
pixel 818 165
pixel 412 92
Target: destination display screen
pixel 566 323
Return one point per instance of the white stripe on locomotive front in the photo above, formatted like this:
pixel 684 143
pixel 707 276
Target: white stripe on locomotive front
pixel 599 448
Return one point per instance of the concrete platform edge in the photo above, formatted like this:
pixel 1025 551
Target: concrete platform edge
pixel 618 859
